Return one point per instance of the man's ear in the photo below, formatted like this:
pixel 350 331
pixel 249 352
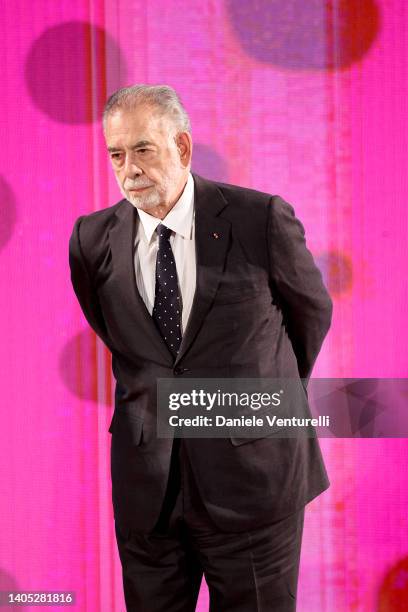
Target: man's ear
pixel 185 147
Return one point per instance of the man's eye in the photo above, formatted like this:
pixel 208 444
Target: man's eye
pixel 115 155
pixel 141 150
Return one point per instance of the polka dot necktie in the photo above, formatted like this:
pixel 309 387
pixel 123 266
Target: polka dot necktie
pixel 167 302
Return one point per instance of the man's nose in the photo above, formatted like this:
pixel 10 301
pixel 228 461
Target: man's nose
pixel 131 167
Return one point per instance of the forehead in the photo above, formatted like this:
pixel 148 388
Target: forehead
pixel 141 123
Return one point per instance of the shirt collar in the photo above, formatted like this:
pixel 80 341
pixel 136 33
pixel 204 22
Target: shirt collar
pixel 180 217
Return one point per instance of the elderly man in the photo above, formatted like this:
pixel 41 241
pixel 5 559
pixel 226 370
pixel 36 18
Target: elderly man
pixel 186 277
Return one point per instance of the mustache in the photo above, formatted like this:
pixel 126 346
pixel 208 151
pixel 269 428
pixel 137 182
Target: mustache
pixel 136 185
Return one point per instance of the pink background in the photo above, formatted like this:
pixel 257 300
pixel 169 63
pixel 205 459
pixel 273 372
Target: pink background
pixel 307 100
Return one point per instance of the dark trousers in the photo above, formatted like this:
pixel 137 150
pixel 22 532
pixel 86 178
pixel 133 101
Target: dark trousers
pixel 249 571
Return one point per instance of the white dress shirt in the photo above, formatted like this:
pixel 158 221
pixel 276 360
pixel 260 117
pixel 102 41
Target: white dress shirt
pixel 180 220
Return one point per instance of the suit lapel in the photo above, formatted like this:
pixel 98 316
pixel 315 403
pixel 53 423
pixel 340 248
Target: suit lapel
pixel 211 236
pixel 121 238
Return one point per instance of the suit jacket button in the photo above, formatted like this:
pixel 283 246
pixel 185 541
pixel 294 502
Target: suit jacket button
pixel 179 370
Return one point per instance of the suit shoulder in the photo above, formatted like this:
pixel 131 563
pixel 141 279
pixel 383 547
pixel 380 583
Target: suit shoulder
pixel 243 195
pixel 253 201
pixel 255 206
pixel 95 224
pixel 90 233
pixel 101 217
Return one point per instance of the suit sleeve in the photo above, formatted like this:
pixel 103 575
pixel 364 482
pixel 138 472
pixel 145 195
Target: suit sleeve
pixel 83 286
pixel 297 283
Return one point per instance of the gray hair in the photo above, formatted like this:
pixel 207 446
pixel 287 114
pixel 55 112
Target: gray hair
pixel 161 97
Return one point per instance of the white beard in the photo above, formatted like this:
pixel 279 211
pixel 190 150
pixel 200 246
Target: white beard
pixel 143 200
pixel 156 194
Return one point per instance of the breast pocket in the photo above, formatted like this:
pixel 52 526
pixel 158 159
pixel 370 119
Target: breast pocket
pixel 241 293
pixel 240 282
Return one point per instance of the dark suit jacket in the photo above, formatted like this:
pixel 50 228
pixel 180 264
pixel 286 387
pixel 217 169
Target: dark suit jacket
pixel 260 310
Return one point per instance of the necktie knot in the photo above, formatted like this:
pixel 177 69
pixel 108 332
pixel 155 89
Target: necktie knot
pixel 163 232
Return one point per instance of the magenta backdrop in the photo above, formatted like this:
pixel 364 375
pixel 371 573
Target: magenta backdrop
pixel 304 99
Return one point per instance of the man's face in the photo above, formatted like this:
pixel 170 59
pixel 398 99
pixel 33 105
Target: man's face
pixel 150 167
